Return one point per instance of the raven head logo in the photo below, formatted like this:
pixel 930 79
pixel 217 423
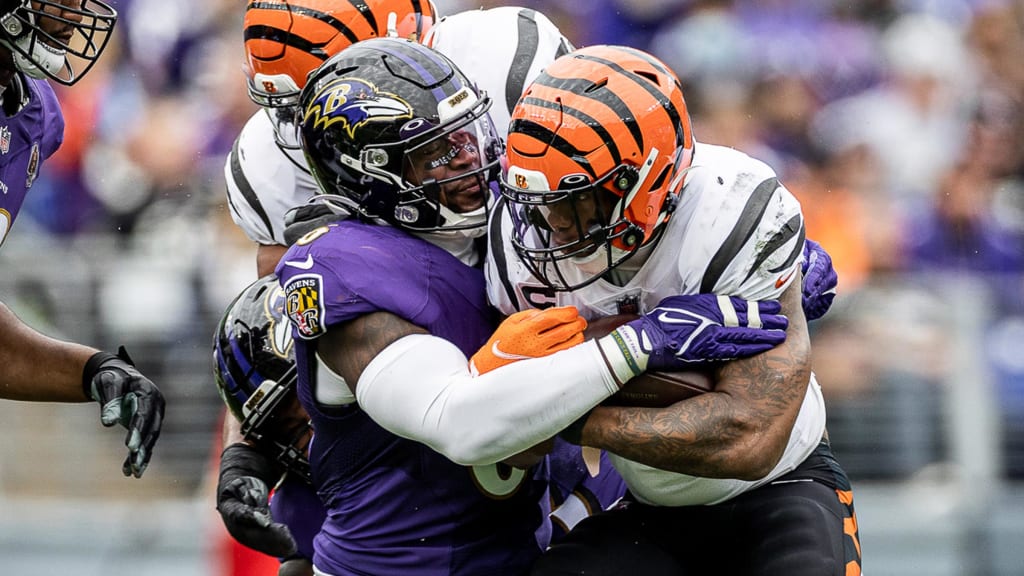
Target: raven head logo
pixel 353 103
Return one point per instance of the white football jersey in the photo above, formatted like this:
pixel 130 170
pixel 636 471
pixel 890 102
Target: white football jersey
pixel 265 179
pixel 501 49
pixel 736 231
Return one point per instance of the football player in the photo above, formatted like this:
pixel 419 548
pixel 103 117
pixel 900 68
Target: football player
pixel 266 173
pixel 610 204
pixel 254 369
pixel 387 306
pixel 58 40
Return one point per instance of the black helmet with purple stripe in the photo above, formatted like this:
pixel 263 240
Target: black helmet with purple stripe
pixel 393 131
pixel 254 368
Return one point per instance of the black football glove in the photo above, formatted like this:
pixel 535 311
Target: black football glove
pixel 305 218
pixel 128 398
pixel 244 503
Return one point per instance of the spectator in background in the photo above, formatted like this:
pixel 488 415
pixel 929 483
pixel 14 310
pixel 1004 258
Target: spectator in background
pixel 961 230
pixel 913 123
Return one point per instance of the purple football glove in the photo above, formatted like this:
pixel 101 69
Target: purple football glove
pixel 820 280
pixel 687 330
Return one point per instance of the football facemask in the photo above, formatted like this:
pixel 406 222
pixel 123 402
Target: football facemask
pixel 56 39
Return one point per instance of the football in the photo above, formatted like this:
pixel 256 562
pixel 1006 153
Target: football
pixel 650 389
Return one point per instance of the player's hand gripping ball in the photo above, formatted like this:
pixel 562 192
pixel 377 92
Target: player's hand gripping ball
pixel 655 389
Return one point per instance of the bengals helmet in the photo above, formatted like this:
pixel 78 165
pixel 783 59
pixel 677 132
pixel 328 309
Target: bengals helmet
pixel 392 130
pixel 63 49
pixel 287 39
pixel 597 150
pixel 254 367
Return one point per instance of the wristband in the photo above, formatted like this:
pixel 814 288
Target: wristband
pixel 92 366
pixel 241 459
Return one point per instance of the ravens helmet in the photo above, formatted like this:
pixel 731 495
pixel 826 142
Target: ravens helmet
pixel 392 130
pixel 598 149
pixel 254 367
pixel 56 39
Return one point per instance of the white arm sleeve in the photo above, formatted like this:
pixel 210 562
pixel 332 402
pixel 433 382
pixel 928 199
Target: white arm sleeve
pixel 420 388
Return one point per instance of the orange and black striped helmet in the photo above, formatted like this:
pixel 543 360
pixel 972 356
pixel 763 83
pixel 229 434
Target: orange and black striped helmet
pixel 287 39
pixel 600 142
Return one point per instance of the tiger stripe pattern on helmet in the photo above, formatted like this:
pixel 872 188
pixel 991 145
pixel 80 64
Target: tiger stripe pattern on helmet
pixel 287 39
pixel 580 86
pixel 603 117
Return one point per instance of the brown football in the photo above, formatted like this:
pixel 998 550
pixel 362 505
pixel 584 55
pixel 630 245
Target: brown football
pixel 650 389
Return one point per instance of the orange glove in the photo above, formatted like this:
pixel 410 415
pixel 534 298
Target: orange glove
pixel 530 334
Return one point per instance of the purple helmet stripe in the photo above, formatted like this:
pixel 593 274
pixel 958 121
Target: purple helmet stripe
pixel 415 61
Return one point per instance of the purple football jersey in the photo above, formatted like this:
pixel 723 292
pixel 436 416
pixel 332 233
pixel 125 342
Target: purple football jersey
pixel 394 506
pixel 569 475
pixel 296 505
pixel 27 138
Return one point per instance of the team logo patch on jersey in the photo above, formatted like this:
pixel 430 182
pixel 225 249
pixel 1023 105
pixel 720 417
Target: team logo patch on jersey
pixel 354 103
pixel 5 224
pixel 5 140
pixel 33 166
pixel 304 304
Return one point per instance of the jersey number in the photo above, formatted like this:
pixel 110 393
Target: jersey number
pixel 498 481
pixel 313 234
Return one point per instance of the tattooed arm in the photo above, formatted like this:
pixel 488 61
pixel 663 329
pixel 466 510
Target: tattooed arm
pixel 738 431
pixel 348 348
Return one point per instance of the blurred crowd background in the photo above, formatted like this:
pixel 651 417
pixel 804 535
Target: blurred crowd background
pixel 898 123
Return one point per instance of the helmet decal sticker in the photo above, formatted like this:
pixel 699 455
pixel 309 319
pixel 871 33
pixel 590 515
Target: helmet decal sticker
pixel 354 103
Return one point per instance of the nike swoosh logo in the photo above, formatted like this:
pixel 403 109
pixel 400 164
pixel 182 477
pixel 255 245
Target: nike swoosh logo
pixel 784 279
pixel 303 264
pixel 505 355
pixel 667 319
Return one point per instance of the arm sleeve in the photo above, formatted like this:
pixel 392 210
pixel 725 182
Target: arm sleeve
pixel 420 388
